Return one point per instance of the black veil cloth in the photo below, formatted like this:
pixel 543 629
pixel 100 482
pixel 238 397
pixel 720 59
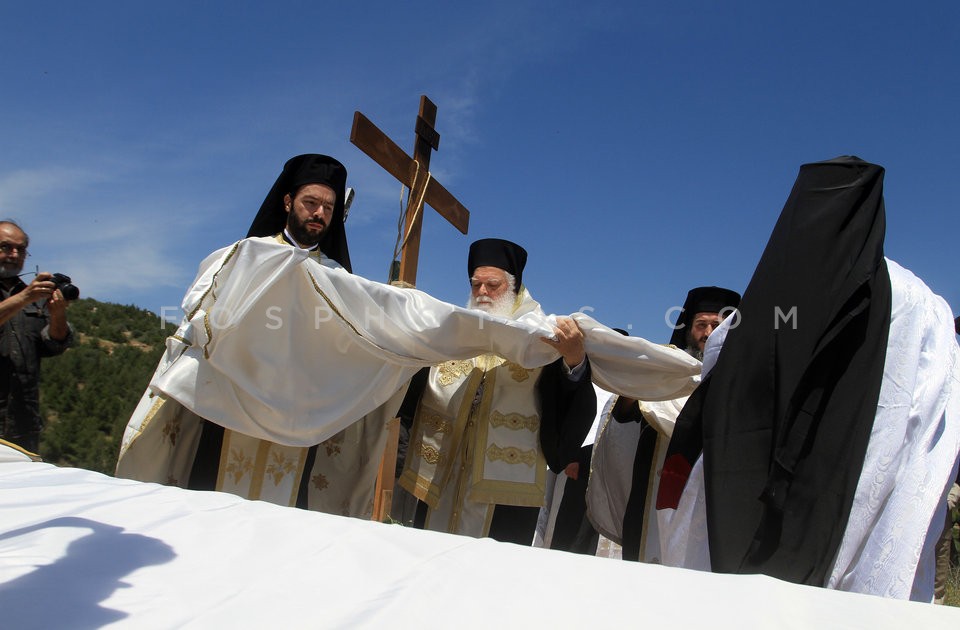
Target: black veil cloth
pixel 784 418
pixel 299 171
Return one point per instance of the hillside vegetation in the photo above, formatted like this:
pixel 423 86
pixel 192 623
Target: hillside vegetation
pixel 88 393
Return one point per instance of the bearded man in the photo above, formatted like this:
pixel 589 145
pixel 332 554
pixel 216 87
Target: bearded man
pixel 33 325
pixel 630 518
pixel 486 429
pixel 305 210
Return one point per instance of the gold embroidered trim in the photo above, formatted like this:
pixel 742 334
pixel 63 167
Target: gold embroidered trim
pixel 436 423
pixel 209 291
pixel 214 280
pixel 206 327
pixel 512 455
pixel 518 372
pixel 429 454
pixel 181 339
pixel 514 421
pixel 451 371
pixel 331 305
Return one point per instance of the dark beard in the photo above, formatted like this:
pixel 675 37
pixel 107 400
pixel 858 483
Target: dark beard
pixel 302 236
pixel 694 352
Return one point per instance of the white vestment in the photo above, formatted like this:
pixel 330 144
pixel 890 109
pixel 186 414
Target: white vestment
pixel 612 469
pixel 338 477
pixel 898 508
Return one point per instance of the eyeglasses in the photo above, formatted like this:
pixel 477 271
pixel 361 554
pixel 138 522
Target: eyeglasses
pixel 9 248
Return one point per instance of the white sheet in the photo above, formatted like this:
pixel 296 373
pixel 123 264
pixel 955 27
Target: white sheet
pixel 83 550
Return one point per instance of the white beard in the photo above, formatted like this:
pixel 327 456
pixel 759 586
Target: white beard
pixel 502 306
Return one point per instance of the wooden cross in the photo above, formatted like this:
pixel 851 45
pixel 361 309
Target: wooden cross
pixel 414 174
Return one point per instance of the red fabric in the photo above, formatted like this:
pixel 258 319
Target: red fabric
pixel 676 471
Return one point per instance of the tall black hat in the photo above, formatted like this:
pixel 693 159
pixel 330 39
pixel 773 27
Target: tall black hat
pixel 702 300
pixel 302 170
pixel 496 252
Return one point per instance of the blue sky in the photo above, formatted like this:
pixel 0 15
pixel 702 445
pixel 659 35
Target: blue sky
pixel 635 149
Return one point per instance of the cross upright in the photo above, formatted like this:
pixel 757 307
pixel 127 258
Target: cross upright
pixel 414 173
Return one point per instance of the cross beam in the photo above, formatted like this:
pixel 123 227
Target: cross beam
pixel 412 173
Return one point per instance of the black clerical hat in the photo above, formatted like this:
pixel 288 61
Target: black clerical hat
pixel 301 170
pixel 496 252
pixel 702 300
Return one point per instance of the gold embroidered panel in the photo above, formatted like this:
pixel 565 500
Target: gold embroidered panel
pixel 450 372
pixel 436 423
pixel 512 455
pixel 238 465
pixel 429 454
pixel 518 372
pixel 280 466
pixel 514 421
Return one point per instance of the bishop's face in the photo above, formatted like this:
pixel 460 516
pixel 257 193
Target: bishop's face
pixel 490 291
pixel 309 213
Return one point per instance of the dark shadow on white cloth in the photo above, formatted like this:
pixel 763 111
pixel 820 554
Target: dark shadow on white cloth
pixel 73 586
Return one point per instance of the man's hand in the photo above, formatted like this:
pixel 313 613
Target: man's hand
pixel 41 288
pixel 57 304
pixel 569 341
pixel 572 470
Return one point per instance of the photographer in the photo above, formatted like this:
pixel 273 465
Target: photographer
pixel 33 324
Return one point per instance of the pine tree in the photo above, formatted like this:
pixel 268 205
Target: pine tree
pixel 88 393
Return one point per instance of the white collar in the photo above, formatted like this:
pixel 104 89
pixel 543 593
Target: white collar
pixel 294 242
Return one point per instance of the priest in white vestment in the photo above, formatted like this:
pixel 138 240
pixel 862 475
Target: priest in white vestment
pixel 650 425
pixel 304 210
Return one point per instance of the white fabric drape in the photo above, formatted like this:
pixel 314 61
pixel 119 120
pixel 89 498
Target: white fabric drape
pixel 83 550
pixel 281 348
pixel 886 548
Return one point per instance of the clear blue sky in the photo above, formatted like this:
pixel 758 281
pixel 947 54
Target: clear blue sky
pixel 636 149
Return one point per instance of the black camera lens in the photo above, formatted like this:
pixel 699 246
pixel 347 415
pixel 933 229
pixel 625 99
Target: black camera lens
pixel 67 289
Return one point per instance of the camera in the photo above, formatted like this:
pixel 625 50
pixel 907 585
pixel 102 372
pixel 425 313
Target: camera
pixel 63 282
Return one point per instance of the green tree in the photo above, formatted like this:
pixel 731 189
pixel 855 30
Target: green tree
pixel 88 393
